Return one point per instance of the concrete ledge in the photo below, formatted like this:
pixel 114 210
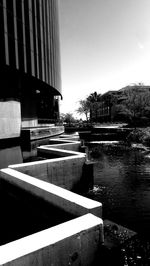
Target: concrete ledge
pixel 65 172
pixel 71 145
pixel 61 150
pixel 43 248
pixel 62 198
pixel 75 242
pixel 70 137
pixel 41 132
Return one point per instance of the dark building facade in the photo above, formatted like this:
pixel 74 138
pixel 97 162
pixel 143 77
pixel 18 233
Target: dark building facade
pixel 30 82
pixel 102 111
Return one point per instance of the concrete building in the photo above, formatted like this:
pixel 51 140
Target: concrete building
pixel 101 111
pixel 30 82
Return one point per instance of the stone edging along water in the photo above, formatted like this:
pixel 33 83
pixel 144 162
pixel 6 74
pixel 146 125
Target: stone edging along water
pixel 52 180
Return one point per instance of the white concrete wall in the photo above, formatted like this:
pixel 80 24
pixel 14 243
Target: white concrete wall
pixel 72 243
pixel 10 119
pixel 75 242
pixel 59 150
pixel 29 123
pixel 62 198
pixel 74 137
pixel 74 146
pixel 64 172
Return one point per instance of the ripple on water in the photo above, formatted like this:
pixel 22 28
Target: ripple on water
pixel 122 184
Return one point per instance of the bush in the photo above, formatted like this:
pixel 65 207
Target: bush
pixel 140 135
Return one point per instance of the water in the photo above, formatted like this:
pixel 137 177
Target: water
pixel 16 153
pixel 122 184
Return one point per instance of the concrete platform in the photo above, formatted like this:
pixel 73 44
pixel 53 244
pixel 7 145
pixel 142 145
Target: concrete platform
pixel 68 240
pixel 74 242
pixel 34 133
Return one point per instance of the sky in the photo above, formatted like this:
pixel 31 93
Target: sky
pixel 104 44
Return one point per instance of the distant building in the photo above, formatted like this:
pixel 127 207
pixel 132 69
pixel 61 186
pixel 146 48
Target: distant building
pixel 30 82
pixel 105 109
pixel 101 111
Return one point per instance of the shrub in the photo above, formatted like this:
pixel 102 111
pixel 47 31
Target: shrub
pixel 140 135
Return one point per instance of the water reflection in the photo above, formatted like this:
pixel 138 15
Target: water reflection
pixel 10 156
pixel 16 153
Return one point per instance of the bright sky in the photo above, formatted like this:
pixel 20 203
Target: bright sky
pixel 105 45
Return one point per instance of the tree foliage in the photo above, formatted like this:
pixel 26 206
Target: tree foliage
pixel 67 118
pixel 93 97
pixel 135 106
pixel 84 108
pixel 87 104
pixel 131 104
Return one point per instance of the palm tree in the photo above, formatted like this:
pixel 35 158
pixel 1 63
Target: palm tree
pixel 93 97
pixel 84 108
